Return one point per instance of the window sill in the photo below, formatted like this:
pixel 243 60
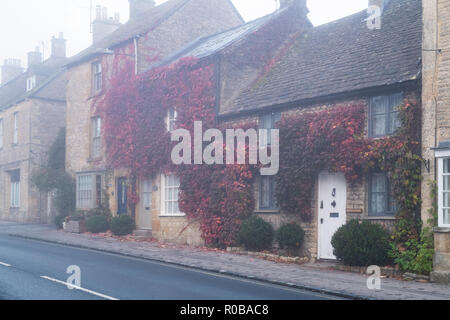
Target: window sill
pixel 261 211
pixel 95 159
pixel 175 215
pixel 380 218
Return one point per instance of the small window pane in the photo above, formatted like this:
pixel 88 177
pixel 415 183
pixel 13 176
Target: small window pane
pixel 446 199
pixel 446 165
pixel 446 183
pixel 379 125
pixel 446 218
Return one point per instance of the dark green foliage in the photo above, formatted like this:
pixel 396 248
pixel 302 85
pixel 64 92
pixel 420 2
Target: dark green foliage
pixel 290 236
pixel 362 244
pixel 255 234
pixel 122 225
pixel 58 221
pixel 52 178
pixel 97 224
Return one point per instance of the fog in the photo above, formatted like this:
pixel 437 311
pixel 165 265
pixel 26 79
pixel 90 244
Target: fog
pixel 26 24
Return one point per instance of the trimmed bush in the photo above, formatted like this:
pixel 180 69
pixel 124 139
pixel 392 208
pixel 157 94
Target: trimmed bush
pixel 362 244
pixel 97 224
pixel 122 225
pixel 255 234
pixel 58 221
pixel 290 237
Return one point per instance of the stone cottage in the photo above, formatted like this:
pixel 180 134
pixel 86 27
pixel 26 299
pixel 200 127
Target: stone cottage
pixel 151 34
pixel 339 64
pixel 436 129
pixel 32 112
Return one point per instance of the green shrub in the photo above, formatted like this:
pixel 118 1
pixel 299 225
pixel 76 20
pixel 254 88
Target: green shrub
pixel 290 236
pixel 97 224
pixel 58 221
pixel 122 225
pixel 255 234
pixel 362 244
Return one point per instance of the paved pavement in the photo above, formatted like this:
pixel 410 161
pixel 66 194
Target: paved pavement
pixel 306 277
pixel 37 270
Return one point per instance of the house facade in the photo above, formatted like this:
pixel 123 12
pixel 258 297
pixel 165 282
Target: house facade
pixel 152 33
pixel 312 70
pixel 435 128
pixel 32 112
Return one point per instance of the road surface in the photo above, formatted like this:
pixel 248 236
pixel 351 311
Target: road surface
pixel 33 270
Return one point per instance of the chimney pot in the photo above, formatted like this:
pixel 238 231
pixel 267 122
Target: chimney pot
pixel 59 46
pixel 10 70
pixel 34 57
pixel 102 25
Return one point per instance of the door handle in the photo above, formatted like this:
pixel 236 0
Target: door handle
pixel 321 204
pixel 333 204
pixel 321 221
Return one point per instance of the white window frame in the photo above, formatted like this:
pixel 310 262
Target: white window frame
pixel 97 77
pixel 1 133
pixel 15 193
pixel 171 119
pixel 441 155
pixel 31 83
pixel 164 191
pixel 88 200
pixel 96 138
pixel 16 128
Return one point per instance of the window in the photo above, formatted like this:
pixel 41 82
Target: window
pixel 171 119
pixel 445 193
pixel 268 121
pixel 16 128
pixel 97 77
pixel 96 143
pixel 85 191
pixel 381 202
pixel 383 115
pixel 267 186
pixel 1 133
pixel 170 192
pixel 147 193
pixel 31 83
pixel 15 189
pixel 98 190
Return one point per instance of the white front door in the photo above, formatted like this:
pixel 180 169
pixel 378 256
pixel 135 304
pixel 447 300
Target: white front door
pixel 332 210
pixel 145 215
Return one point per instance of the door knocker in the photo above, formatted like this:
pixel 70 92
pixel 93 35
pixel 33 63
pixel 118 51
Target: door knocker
pixel 334 192
pixel 333 204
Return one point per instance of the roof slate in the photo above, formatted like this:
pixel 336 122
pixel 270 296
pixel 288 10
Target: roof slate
pixel 343 56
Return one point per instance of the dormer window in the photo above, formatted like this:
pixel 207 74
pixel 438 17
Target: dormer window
pixel 31 83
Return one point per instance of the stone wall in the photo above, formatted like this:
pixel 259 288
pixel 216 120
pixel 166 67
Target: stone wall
pixel 436 115
pixel 39 122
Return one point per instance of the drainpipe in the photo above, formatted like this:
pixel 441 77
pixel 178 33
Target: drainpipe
pixel 136 55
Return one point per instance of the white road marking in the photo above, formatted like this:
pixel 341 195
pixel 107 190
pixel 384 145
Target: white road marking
pixel 5 264
pixel 80 288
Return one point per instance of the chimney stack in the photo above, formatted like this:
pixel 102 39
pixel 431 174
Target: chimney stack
pixel 59 46
pixel 139 6
pixel 11 68
pixel 34 57
pixel 102 25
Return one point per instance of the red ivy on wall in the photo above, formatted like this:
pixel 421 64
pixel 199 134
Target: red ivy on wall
pixel 134 111
pixel 334 139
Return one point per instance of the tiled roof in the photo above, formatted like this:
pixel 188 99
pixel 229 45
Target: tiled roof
pixel 211 44
pixel 50 84
pixel 138 26
pixel 343 56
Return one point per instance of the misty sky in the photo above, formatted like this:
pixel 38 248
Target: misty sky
pixel 25 24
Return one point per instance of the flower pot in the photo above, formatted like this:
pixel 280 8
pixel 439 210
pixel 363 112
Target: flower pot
pixel 75 227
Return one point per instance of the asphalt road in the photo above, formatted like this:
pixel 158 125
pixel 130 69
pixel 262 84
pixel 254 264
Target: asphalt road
pixel 31 270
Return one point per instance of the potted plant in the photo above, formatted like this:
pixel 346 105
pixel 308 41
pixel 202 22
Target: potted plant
pixel 75 223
